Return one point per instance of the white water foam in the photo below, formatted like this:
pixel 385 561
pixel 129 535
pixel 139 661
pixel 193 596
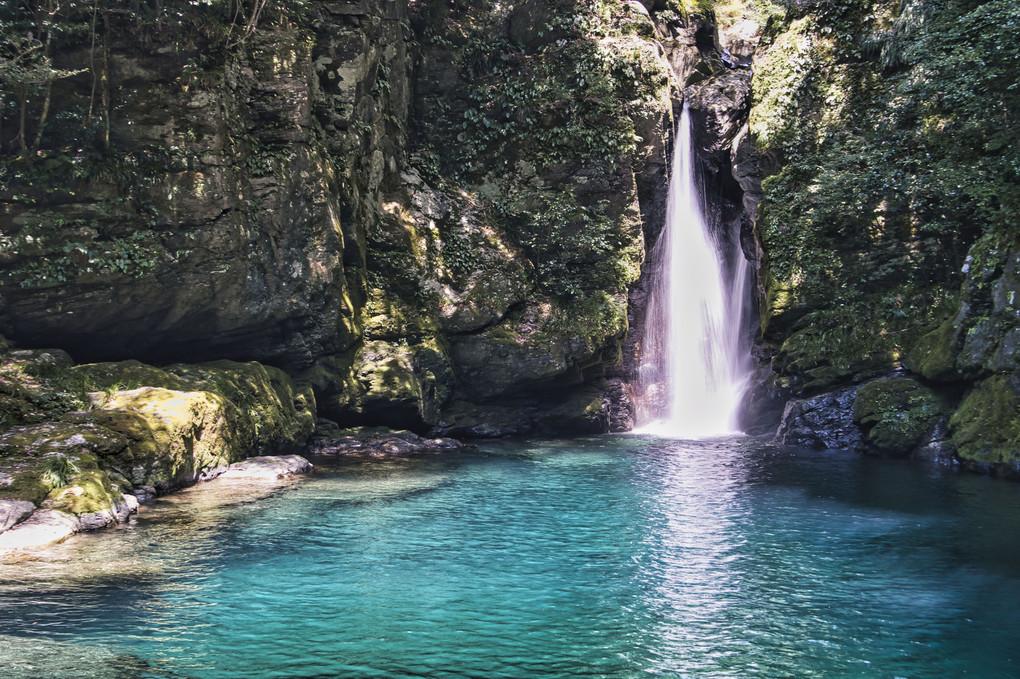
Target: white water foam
pixel 694 363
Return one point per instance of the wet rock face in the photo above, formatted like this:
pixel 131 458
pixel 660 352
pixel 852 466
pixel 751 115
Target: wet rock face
pixel 374 195
pixel 825 421
pixel 224 234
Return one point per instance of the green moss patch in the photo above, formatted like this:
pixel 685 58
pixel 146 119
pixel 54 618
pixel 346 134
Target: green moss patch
pixel 896 415
pixel 986 427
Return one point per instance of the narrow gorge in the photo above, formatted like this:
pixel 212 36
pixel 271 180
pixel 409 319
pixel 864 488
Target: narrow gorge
pixel 509 339
pixel 226 227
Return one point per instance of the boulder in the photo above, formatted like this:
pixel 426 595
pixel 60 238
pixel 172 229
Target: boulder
pixel 13 511
pixel 824 421
pixel 42 528
pixel 897 415
pixel 267 467
pixel 986 427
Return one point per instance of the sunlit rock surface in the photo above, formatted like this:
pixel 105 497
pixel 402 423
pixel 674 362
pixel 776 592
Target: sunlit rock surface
pixel 269 467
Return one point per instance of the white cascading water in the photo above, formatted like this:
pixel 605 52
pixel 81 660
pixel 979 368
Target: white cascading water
pixel 694 364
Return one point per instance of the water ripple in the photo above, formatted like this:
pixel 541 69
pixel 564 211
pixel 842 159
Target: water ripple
pixel 613 557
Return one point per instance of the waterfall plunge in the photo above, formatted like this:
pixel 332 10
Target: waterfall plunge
pixel 694 362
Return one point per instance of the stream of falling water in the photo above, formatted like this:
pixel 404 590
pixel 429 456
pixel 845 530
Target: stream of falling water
pixel 694 362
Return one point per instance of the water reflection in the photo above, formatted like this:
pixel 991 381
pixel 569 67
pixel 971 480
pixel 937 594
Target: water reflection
pixel 691 562
pixel 617 557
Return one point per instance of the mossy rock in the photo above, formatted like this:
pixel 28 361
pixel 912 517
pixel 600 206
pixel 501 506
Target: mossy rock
pixel 25 453
pixel 65 438
pixel 334 384
pixel 401 384
pixel 896 415
pixel 825 378
pixel 14 411
pixel 139 456
pixel 25 483
pixel 192 432
pixel 90 491
pixel 37 385
pixel 986 427
pixel 386 315
pixel 127 375
pixel 275 415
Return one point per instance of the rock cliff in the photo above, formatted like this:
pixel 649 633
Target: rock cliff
pixel 888 221
pixel 434 214
pixel 431 213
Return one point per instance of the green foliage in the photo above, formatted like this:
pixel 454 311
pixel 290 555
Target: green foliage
pixel 56 249
pixel 862 328
pixel 570 100
pixel 458 254
pixel 57 471
pixel 575 249
pixel 893 158
pixel 544 110
pixel 263 159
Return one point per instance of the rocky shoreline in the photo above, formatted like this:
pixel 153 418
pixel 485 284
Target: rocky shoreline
pixel 23 527
pixel 92 443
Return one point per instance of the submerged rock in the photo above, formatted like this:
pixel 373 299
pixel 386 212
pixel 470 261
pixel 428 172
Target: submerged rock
pixel 380 442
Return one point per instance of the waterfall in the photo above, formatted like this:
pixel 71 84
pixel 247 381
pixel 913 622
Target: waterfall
pixel 694 363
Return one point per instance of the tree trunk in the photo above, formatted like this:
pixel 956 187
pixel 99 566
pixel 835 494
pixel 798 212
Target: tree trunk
pixel 106 80
pixel 42 118
pixel 21 121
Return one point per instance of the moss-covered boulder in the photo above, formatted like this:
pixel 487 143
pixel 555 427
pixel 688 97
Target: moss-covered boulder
pixel 55 467
pixel 36 385
pixel 275 415
pixel 27 451
pixel 77 438
pixel 546 342
pixel 934 355
pixel 116 376
pixel 189 433
pixel 986 427
pixel 896 415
